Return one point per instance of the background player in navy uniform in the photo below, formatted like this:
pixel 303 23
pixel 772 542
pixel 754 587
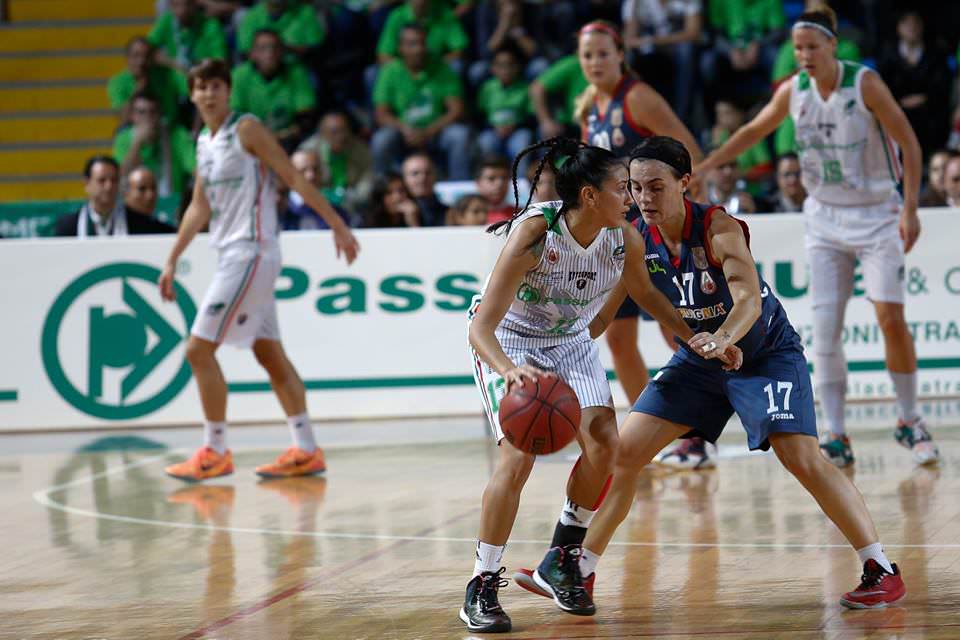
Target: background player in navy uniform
pixel 710 276
pixel 616 112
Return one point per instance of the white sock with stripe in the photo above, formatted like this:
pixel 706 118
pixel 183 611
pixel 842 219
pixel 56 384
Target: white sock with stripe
pixel 302 432
pixel 875 552
pixel 588 562
pixel 215 436
pixel 488 558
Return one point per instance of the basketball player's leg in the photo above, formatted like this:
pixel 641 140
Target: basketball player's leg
pixel 621 338
pixel 831 285
pixel 883 274
pixel 304 457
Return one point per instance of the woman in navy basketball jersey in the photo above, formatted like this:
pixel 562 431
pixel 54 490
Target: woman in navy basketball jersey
pixel 617 111
pixel 699 257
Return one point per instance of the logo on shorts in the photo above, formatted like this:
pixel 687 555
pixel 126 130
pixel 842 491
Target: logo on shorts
pixel 581 277
pixel 215 308
pixel 707 285
pixel 699 257
pixel 241 318
pixel 110 347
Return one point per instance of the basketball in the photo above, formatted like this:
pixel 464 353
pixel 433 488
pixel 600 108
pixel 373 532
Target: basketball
pixel 540 417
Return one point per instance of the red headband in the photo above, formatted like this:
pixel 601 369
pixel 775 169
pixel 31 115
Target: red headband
pixel 602 27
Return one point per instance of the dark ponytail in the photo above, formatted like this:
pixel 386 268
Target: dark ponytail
pixel 575 164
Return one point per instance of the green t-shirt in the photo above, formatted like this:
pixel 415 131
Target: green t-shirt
pixel 784 139
pixel 565 75
pixel 504 105
pixel 746 20
pixel 418 100
pixel 275 101
pixel 183 158
pixel 444 32
pixel 165 84
pixel 298 26
pixel 203 38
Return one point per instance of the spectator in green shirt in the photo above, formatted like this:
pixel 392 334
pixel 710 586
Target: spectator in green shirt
pixel 565 79
pixel 505 105
pixel 298 24
pixel 144 75
pixel 168 151
pixel 184 36
pixel 346 166
pixel 418 105
pixel 275 90
pixel 755 164
pixel 445 37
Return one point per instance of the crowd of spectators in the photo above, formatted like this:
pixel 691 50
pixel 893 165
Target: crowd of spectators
pixel 379 100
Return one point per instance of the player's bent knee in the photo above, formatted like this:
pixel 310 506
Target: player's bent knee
pixel 890 319
pixel 199 352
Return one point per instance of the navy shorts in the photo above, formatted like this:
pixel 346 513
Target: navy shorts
pixel 630 309
pixel 770 395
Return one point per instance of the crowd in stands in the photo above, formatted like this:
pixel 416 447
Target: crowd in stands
pixel 378 100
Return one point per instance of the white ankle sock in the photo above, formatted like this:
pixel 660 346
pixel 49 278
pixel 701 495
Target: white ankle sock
pixel 832 401
pixel 875 552
pixel 215 436
pixel 488 558
pixel 588 562
pixel 302 432
pixel 905 386
pixel 573 515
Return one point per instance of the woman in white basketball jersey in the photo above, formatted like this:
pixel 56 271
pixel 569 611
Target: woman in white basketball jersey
pixel 559 265
pixel 848 128
pixel 238 162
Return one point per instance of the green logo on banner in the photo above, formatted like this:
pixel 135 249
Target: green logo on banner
pixel 129 345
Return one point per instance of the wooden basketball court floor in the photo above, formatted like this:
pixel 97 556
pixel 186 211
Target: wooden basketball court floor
pixel 96 543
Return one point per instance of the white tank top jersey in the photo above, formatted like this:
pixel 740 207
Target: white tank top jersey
pixel 559 297
pixel 241 190
pixel 847 159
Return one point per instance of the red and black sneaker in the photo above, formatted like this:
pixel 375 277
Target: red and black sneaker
pixel 524 578
pixel 878 588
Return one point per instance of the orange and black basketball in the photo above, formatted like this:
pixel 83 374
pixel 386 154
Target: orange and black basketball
pixel 540 417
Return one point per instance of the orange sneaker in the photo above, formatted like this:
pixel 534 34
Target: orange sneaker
pixel 210 501
pixel 204 464
pixel 294 462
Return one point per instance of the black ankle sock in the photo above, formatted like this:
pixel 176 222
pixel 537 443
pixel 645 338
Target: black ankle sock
pixel 565 535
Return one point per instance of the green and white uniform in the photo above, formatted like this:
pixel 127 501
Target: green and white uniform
pixel 851 170
pixel 239 305
pixel 547 322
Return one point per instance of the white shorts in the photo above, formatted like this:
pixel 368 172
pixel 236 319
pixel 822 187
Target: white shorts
pixel 239 306
pixel 577 362
pixel 839 236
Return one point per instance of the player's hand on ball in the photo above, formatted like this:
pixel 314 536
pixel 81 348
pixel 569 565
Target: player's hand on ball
pixel 519 375
pixel 346 243
pixel 166 284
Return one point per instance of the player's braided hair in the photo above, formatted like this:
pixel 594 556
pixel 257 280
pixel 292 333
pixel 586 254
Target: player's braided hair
pixel 575 164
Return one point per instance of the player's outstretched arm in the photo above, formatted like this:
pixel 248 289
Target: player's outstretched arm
pixel 877 98
pixel 751 133
pixel 728 245
pixel 641 289
pixel 521 253
pixel 259 141
pixel 194 218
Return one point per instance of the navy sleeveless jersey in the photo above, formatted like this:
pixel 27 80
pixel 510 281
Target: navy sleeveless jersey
pixel 615 129
pixel 695 284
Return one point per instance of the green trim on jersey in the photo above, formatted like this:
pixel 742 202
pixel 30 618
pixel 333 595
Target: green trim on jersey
pixel 552 216
pixel 803 81
pixel 850 71
pixel 886 152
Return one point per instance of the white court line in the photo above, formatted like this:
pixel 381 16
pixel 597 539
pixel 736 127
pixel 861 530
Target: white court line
pixel 43 497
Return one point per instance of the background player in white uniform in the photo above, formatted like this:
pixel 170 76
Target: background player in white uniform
pixel 560 263
pixel 845 118
pixel 235 192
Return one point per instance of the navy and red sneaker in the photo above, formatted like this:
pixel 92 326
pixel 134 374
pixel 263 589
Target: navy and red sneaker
pixel 878 588
pixel 481 610
pixel 559 575
pixel 524 578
